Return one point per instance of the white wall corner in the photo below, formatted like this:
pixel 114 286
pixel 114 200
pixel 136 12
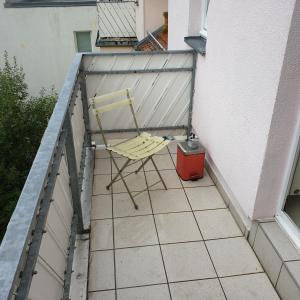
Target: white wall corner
pixel 284 129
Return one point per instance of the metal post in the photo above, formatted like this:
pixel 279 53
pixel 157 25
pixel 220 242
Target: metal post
pixel 85 105
pixel 195 56
pixel 68 274
pixel 72 168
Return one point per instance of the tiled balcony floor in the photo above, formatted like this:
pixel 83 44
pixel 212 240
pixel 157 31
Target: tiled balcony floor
pixel 182 243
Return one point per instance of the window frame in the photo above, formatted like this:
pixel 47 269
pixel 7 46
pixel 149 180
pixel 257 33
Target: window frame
pixel 76 42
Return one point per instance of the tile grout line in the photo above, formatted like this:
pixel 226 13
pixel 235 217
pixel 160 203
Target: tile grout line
pixel 90 233
pixel 203 239
pixel 161 213
pixel 158 189
pixel 162 258
pixel 275 285
pixel 178 281
pixel 254 237
pixel 113 232
pixel 172 243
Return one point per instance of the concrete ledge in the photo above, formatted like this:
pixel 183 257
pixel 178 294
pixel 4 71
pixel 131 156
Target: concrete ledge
pixel 79 279
pixel 278 256
pixel 87 189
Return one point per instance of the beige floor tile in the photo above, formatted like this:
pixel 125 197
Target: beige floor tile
pixel 100 183
pixel 288 281
pixel 123 206
pixel 173 147
pixel 102 166
pixel 135 182
pixel 177 227
pixel 154 292
pixel 105 295
pixel 101 154
pixel 163 162
pixel 131 168
pixel 135 231
pixel 249 287
pixel 101 271
pixel 101 207
pixel 163 151
pixel 139 266
pixel 233 256
pixel 268 256
pixel 280 240
pixel 202 198
pixel 101 235
pixel 170 177
pixel 215 224
pixel 187 261
pixel 207 289
pixel 204 181
pixel 173 200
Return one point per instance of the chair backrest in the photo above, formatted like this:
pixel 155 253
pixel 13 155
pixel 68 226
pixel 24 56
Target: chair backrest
pixel 118 98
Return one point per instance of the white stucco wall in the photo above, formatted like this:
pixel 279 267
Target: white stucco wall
pixel 236 89
pixel 42 39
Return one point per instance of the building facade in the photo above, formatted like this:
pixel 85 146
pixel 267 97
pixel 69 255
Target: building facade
pixel 45 35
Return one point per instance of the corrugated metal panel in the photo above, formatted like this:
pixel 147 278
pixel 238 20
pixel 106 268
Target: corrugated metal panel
pixel 53 253
pixel 116 19
pixel 161 98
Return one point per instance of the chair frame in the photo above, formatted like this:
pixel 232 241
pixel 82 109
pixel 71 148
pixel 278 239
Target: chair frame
pixel 124 102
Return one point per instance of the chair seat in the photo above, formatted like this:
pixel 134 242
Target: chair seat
pixel 142 146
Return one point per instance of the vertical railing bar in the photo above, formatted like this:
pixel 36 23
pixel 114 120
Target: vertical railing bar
pixel 82 161
pixel 85 105
pixel 69 270
pixel 195 56
pixel 72 168
pixel 35 244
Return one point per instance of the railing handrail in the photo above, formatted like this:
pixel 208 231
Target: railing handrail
pixel 15 241
pixel 137 53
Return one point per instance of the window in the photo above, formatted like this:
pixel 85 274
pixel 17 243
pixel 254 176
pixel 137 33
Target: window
pixel 204 18
pixel 83 41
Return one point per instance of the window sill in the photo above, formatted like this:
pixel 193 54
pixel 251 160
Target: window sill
pixel 198 43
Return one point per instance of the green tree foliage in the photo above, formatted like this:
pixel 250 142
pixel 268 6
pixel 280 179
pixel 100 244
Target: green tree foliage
pixel 23 120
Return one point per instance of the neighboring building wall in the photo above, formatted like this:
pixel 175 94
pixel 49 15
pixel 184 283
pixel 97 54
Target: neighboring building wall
pixel 42 39
pixel 178 11
pixel 236 90
pixel 153 14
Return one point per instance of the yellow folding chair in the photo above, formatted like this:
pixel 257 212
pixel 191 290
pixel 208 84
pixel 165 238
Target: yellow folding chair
pixel 142 147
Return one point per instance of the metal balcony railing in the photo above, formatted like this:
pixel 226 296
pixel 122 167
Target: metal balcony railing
pixel 37 251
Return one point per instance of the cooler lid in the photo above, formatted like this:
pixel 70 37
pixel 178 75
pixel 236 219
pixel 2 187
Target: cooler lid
pixel 188 151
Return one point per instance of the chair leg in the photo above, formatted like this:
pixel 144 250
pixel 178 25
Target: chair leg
pixel 140 167
pixel 118 174
pixel 128 191
pixel 154 164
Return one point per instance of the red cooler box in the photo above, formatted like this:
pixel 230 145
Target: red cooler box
pixel 190 161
